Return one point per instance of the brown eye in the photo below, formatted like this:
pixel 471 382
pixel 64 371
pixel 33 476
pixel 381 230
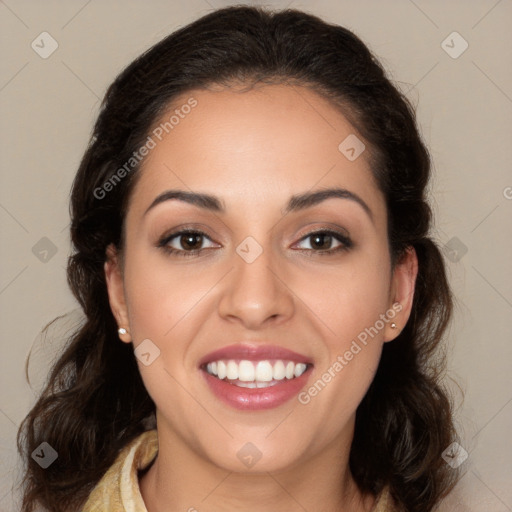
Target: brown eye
pixel 325 242
pixel 191 241
pixel 321 241
pixel 186 243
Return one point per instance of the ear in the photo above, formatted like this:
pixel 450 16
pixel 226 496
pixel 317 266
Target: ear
pixel 115 288
pixel 402 293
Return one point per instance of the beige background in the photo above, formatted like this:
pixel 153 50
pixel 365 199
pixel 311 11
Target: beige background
pixel 464 107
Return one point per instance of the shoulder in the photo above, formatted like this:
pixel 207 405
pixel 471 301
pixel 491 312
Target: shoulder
pixel 118 490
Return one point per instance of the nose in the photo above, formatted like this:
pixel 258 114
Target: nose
pixel 256 293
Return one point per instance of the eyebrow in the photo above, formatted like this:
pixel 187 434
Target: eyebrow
pixel 205 201
pixel 296 203
pixel 308 199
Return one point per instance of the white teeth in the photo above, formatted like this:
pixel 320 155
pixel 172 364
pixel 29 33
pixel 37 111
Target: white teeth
pixel 290 367
pixel 279 371
pixel 266 384
pixel 246 371
pixel 299 369
pixel 264 371
pixel 221 369
pixel 232 370
pixel 253 385
pixel 246 384
pixel 259 374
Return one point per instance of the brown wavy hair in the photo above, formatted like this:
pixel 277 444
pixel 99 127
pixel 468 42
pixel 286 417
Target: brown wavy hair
pixel 95 401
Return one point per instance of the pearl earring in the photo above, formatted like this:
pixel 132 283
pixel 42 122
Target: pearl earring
pixel 121 330
pixel 393 325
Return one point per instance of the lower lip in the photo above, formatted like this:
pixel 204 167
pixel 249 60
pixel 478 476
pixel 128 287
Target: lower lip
pixel 254 399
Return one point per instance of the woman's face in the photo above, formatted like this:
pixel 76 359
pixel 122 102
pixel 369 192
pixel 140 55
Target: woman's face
pixel 289 292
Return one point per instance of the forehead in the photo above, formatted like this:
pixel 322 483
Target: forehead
pixel 268 143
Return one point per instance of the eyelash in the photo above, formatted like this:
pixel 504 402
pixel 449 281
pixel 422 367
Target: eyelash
pixel 346 242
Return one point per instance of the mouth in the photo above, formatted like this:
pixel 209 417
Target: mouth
pixel 253 378
pixel 255 374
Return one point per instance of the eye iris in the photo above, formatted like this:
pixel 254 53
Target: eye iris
pixel 318 241
pixel 189 240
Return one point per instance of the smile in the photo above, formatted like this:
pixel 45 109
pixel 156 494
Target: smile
pixel 252 377
pixel 255 374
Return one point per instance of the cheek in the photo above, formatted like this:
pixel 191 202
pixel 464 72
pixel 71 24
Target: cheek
pixel 348 298
pixel 352 309
pixel 161 294
pixel 167 304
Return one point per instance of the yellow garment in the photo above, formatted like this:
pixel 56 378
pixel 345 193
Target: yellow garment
pixel 118 490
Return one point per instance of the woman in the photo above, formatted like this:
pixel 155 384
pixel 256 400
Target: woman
pixel 263 302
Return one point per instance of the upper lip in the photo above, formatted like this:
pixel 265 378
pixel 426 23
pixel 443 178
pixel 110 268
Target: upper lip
pixel 252 352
